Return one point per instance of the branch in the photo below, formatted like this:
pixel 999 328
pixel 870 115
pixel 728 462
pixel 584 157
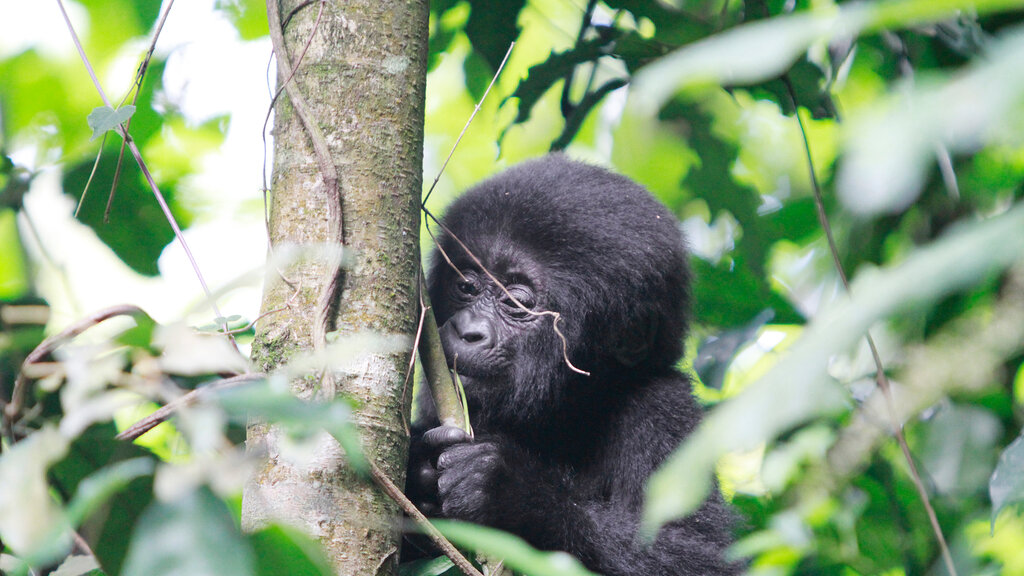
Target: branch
pixel 165 412
pixel 450 406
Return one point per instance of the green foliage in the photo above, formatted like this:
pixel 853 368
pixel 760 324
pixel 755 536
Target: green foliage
pixel 516 553
pixel 911 116
pixel 193 534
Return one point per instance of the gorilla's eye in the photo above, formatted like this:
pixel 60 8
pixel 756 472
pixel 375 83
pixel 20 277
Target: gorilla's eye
pixel 467 286
pixel 524 295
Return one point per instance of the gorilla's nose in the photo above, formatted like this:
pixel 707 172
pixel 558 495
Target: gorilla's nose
pixel 473 330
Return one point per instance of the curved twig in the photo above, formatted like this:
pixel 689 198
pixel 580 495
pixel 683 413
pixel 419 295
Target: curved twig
pixel 13 410
pixel 167 410
pixel 334 280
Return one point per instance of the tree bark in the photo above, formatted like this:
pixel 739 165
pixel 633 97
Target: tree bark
pixel 362 79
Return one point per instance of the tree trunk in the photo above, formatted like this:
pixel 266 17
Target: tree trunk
pixel 362 79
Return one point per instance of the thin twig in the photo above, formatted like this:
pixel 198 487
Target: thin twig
pixel 145 170
pixel 468 122
pixel 140 76
pixel 422 522
pixel 880 377
pixel 166 411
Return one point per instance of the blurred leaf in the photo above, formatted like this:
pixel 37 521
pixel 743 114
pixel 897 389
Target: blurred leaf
pixel 190 353
pixel 515 552
pixel 106 530
pixel 194 535
pixel 32 525
pixel 105 118
pixel 280 550
pixel 440 566
pixel 797 388
pixel 891 147
pixel 141 334
pixel 37 92
pixel 96 489
pixel 76 565
pixel 747 54
pixel 249 17
pixel 1007 485
pixel 959 449
pixel 272 401
pixel 114 22
pixel 764 49
pixel 14 281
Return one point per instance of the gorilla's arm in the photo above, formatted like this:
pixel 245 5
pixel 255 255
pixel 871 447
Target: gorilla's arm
pixel 496 482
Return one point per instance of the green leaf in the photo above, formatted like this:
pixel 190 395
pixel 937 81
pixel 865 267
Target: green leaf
pixel 492 28
pixel 248 16
pixel 761 50
pixel 797 388
pixel 891 148
pixel 272 401
pixel 1007 484
pixel 105 118
pixel 138 230
pixel 93 455
pixel 281 550
pixel 104 483
pixel 140 335
pixel 194 535
pixel 440 566
pixel 515 552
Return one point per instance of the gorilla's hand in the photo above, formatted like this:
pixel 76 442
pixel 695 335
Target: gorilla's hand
pixel 423 473
pixel 469 479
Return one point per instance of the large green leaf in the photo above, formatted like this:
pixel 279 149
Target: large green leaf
pixel 282 550
pixel 194 535
pixel 513 550
pixel 97 458
pixel 137 231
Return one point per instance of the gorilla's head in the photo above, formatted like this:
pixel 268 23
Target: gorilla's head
pixel 565 237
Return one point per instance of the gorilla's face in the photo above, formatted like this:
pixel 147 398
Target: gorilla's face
pixel 488 326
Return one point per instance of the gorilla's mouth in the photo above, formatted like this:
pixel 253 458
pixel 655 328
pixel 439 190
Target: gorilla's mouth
pixel 473 375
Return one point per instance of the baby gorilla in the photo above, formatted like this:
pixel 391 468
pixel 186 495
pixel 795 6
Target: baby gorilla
pixel 559 457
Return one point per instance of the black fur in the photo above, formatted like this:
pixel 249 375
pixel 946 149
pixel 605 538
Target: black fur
pixel 560 458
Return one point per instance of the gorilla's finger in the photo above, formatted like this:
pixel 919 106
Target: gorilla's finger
pixel 426 477
pixel 444 436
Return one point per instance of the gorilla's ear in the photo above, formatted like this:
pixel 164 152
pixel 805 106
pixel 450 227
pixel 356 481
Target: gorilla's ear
pixel 635 342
